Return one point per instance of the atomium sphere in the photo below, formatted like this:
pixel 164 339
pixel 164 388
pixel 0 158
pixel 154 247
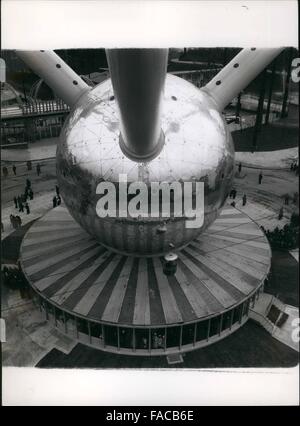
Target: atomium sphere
pixel 198 148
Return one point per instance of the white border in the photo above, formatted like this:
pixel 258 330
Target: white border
pixel 45 24
pixel 33 386
pixel 53 24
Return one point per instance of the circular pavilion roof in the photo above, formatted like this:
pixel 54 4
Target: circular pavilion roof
pixel 215 272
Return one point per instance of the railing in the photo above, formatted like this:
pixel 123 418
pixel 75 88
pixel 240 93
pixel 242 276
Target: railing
pixel 35 108
pixel 262 320
pixel 44 107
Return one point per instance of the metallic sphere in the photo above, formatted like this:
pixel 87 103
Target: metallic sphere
pixel 197 148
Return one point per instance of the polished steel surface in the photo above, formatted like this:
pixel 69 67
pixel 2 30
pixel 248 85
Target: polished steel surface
pixel 138 77
pixel 239 73
pixel 65 83
pixel 198 148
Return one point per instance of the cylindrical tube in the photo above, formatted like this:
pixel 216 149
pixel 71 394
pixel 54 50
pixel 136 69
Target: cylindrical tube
pixel 238 73
pixel 56 73
pixel 138 77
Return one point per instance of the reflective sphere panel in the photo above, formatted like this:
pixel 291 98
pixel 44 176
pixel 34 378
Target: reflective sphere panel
pixel 198 148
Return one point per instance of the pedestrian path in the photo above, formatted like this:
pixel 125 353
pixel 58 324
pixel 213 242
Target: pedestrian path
pixel 36 151
pixel 38 207
pixel 29 337
pixel 262 215
pixel 280 159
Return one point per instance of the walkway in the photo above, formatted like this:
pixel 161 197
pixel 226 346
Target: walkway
pixel 281 159
pixel 264 201
pixel 43 187
pixel 37 151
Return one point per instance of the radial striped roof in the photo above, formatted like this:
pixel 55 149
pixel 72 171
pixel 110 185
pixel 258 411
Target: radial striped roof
pixel 218 270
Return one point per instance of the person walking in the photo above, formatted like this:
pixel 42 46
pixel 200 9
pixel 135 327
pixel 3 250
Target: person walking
pixel 5 171
pixel 295 198
pixel 240 167
pixel 54 201
pixel 260 177
pixel 19 221
pixel 280 215
pixel 38 169
pixel 21 207
pixel 28 183
pixel 286 199
pixel 234 194
pixel 19 199
pixel 57 190
pixel 14 169
pixel 30 193
pixel 58 200
pixel 27 208
pixel 244 199
pixel 12 222
pixel 16 202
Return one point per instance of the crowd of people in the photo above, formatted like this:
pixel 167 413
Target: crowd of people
pixel 15 221
pixel 21 201
pixel 13 278
pixel 22 205
pixel 287 237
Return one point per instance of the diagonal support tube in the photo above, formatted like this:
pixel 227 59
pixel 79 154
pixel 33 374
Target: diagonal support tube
pixel 56 73
pixel 239 73
pixel 138 78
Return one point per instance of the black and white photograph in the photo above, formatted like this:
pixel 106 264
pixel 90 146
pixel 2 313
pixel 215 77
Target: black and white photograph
pixel 150 206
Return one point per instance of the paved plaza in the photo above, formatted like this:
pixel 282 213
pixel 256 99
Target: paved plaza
pixel 31 340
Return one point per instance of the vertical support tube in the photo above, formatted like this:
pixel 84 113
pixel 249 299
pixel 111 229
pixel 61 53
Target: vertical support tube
pixel 89 331
pixel 103 335
pixel 180 337
pixel 231 319
pixel 195 334
pixel 270 91
pixel 208 329
pixel 55 317
pixel 260 110
pixel 287 82
pixel 242 312
pixel 46 311
pixel 138 78
pixel 133 339
pixel 76 327
pixel 118 337
pixel 65 322
pixel 221 323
